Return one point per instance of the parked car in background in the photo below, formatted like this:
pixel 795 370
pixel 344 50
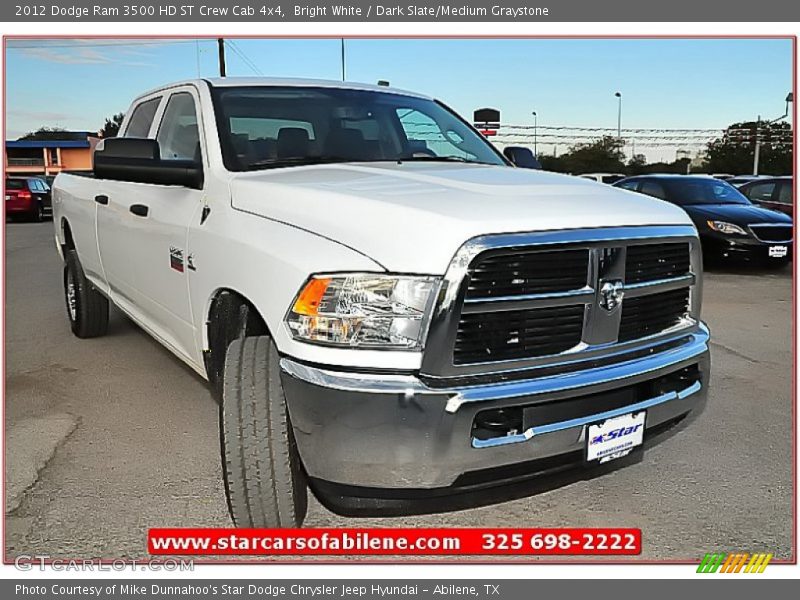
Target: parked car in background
pixel 29 197
pixel 522 157
pixel 740 180
pixel 730 226
pixel 603 177
pixel 776 193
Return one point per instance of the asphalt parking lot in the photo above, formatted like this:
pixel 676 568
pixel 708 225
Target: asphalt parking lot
pixel 109 437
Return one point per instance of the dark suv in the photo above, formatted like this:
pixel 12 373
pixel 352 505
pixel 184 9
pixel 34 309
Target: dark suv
pixel 29 197
pixel 730 226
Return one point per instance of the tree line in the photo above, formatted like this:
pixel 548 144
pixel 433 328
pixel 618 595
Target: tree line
pixel 732 152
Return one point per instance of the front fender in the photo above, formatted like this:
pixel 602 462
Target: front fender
pixel 267 262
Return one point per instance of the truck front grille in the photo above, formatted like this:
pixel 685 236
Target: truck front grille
pixel 501 273
pixel 650 262
pixel 507 335
pixel 648 315
pixel 533 302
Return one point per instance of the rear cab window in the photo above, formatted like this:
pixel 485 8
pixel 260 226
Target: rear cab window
pixel 142 118
pixel 178 134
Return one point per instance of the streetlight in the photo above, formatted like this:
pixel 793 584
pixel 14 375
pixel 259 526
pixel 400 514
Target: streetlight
pixel 535 124
pixel 619 115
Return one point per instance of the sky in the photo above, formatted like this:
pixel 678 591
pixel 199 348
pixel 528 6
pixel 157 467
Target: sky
pixel 667 83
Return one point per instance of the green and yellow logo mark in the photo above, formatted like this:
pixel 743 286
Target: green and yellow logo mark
pixel 736 562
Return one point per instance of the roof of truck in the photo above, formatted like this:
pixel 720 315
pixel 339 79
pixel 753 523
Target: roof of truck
pixel 287 82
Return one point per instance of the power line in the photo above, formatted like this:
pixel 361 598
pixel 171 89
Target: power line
pixel 244 58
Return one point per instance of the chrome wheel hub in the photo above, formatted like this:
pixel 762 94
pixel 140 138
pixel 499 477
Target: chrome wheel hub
pixel 71 297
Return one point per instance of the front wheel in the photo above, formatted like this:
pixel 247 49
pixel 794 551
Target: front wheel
pixel 264 480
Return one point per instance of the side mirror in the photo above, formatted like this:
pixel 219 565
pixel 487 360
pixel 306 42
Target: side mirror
pixel 521 157
pixel 139 160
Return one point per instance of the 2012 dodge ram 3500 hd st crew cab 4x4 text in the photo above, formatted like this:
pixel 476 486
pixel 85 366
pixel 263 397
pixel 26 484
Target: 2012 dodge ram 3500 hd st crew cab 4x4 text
pixel 385 307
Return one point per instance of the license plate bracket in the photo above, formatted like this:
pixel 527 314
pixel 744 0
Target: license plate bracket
pixel 614 437
pixel 778 251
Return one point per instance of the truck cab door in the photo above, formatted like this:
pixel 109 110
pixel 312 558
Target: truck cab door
pixel 143 238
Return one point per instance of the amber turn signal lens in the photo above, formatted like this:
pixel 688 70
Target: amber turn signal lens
pixel 308 301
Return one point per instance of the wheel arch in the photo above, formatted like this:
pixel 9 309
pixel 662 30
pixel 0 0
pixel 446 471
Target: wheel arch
pixel 67 240
pixel 229 315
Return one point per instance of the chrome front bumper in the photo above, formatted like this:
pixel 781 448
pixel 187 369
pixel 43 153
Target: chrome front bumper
pixel 394 431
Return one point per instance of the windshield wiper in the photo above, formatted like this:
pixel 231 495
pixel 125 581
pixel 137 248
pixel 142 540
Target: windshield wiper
pixel 274 163
pixel 427 158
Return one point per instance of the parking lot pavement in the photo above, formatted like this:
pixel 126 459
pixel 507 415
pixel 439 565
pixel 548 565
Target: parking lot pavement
pixel 144 448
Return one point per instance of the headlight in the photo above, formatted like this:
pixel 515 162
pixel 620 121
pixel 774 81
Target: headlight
pixel 725 227
pixel 363 310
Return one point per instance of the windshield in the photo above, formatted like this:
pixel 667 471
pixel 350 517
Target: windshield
pixel 704 191
pixel 267 127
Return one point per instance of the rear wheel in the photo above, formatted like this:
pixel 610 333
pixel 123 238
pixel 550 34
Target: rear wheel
pixel 38 213
pixel 264 480
pixel 87 308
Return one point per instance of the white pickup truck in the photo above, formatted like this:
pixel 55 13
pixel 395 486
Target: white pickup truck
pixel 387 309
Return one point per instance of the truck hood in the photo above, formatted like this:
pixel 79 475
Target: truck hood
pixel 412 217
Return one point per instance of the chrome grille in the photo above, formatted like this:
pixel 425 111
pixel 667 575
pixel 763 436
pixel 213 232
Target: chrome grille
pixel 500 273
pixel 517 334
pixel 514 306
pixel 650 262
pixel 648 315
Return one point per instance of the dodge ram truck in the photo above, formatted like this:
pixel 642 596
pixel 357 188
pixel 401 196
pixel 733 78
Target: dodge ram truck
pixel 384 306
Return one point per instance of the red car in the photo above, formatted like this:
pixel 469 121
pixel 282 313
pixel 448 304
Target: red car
pixel 771 192
pixel 29 197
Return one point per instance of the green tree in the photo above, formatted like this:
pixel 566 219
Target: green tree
pixel 733 152
pixel 111 126
pixel 48 133
pixel 602 155
pixel 552 163
pixel 637 164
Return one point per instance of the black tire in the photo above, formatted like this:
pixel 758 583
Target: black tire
pixel 37 216
pixel 87 309
pixel 264 480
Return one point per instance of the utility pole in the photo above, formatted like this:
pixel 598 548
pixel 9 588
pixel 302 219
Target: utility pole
pixel 619 115
pixel 221 45
pixel 757 152
pixel 535 139
pixel 343 67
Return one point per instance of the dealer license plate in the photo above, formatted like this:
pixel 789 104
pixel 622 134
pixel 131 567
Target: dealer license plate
pixel 615 437
pixel 778 251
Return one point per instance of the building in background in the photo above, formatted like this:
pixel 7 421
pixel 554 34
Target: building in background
pixel 47 158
